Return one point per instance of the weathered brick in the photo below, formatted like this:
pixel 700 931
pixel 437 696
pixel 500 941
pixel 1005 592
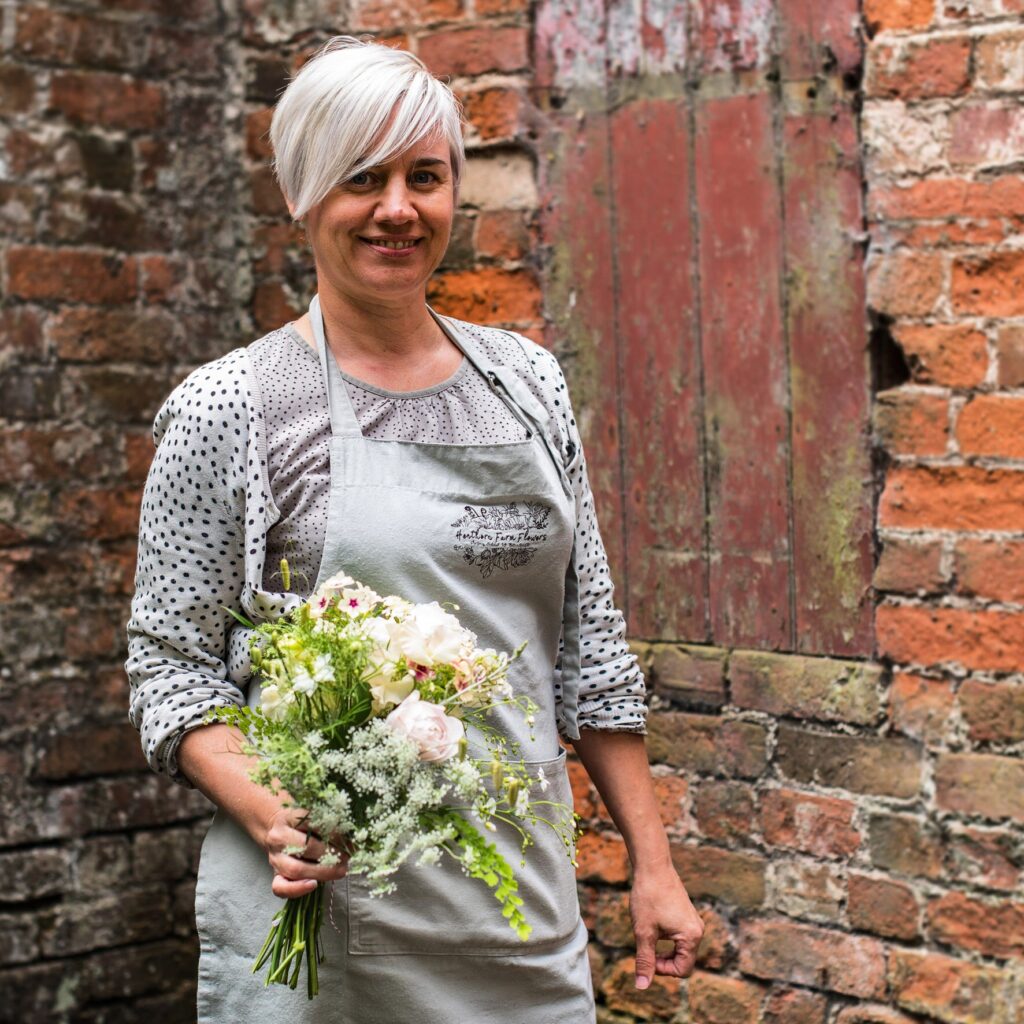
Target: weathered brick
pixel 716 947
pixel 992 425
pixel 35 874
pixel 110 920
pixel 921 707
pixel 113 101
pixel 953 498
pixel 489 295
pixel 724 810
pixel 937 636
pixel 494 113
pixel 989 285
pixel 102 865
pixel 795 1006
pixel 999 61
pixel 98 335
pixel 986 857
pixel 981 784
pixel 90 750
pixel 19 938
pixel 1010 356
pixel 602 859
pixel 717 1000
pixel 822 688
pixel 906 283
pixel 986 136
pixel 905 844
pixel 990 927
pixel 476 50
pixel 910 422
pixel 909 566
pixel 658 1002
pixel 807 889
pixel 864 1014
pixel 17 89
pixel 612 922
pixel 897 15
pixel 951 990
pixel 502 235
pixel 707 743
pixel 30 393
pixel 817 957
pixel 883 906
pixel 952 355
pixel 690 675
pixel 819 825
pixel 375 15
pixel 499 181
pixel 994 712
pixel 863 764
pixel 936 197
pixel 936 66
pixel 709 872
pixel 53 37
pixel 71 275
pixel 670 793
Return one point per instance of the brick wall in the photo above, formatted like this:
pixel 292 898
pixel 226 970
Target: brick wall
pixel 846 811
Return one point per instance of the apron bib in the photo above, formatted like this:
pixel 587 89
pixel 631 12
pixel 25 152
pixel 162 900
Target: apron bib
pixel 491 528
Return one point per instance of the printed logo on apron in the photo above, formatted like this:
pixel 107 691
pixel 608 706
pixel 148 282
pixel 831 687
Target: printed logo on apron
pixel 501 536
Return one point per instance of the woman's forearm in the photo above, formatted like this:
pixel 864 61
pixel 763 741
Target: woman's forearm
pixel 617 763
pixel 210 757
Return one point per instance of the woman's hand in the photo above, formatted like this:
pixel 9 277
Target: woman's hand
pixel 296 874
pixel 661 909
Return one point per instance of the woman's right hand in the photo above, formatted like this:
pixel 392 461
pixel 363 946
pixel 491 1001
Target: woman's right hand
pixel 296 875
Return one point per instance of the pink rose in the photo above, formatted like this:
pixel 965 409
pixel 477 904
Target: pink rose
pixel 436 734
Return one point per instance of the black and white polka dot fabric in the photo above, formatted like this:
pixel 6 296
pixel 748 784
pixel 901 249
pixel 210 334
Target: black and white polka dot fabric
pixel 241 479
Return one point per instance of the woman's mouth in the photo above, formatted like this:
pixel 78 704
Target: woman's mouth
pixel 392 246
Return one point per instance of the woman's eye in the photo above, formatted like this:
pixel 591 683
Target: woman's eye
pixel 362 178
pixel 423 177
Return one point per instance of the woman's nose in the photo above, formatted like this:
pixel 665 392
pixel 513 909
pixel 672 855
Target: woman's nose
pixel 395 204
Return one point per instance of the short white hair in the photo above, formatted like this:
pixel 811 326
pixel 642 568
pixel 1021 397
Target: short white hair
pixel 329 123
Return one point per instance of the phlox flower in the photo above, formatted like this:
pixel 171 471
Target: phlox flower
pixel 358 599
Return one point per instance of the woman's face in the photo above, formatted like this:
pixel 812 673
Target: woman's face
pixel 380 235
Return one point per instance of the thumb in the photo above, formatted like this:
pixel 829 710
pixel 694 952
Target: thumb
pixel 644 960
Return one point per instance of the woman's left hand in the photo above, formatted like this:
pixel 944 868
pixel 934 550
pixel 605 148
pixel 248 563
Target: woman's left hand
pixel 661 909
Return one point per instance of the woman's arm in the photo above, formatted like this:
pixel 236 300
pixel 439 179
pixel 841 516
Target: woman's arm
pixel 659 905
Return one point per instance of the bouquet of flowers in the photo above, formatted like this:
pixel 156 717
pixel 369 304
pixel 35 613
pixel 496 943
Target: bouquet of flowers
pixel 367 705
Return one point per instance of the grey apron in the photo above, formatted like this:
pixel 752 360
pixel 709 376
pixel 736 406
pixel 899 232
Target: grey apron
pixel 491 528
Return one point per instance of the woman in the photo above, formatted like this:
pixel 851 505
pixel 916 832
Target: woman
pixel 426 457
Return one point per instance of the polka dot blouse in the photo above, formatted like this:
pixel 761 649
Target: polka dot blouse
pixel 241 479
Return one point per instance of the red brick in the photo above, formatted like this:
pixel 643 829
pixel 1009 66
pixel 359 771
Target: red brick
pixel 17 89
pixel 939 66
pixel 279 247
pixel 988 136
pixel 502 235
pixel 1002 196
pixel 602 859
pixel 90 750
pixel 819 825
pixel 709 872
pixel 112 101
pixel 707 743
pixel 670 795
pixel 952 498
pixel 101 514
pixel 717 1000
pixel 864 1014
pixel 909 566
pixel 817 957
pixel 22 330
pixel 54 453
pixel 487 295
pixel 956 234
pixel 724 810
pixel 864 764
pixel 951 990
pixel 273 306
pixel 994 712
pixel 138 455
pixel 935 636
pixel 474 51
pixel 795 1006
pixel 897 15
pixel 986 857
pixel 1010 353
pixel 992 928
pixel 257 134
pixel 50 37
pixel 951 355
pixel 716 947
pixel 97 335
pixel 981 784
pixel 882 906
pixel 906 283
pixel 267 200
pixel 911 422
pixel 999 61
pixel 492 7
pixel 921 707
pixel 70 275
pixel 494 113
pixel 989 285
pixel 612 922
pixel 992 425
pixel 375 15
pixel 658 1002
pixel 584 795
pixel 693 676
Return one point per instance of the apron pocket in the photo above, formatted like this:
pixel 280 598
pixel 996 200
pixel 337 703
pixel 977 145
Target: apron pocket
pixel 437 910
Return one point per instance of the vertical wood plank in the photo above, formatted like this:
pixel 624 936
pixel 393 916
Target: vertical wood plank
pixel 745 372
pixel 662 473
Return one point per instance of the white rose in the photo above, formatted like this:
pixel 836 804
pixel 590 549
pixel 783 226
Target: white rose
pixel 436 734
pixel 387 689
pixel 428 635
pixel 272 703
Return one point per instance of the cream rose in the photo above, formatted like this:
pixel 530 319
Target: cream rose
pixel 436 734
pixel 428 635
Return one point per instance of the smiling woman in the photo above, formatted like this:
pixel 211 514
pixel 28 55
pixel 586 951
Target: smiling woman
pixel 426 457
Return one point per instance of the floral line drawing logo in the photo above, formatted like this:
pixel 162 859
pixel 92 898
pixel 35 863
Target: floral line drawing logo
pixel 501 536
